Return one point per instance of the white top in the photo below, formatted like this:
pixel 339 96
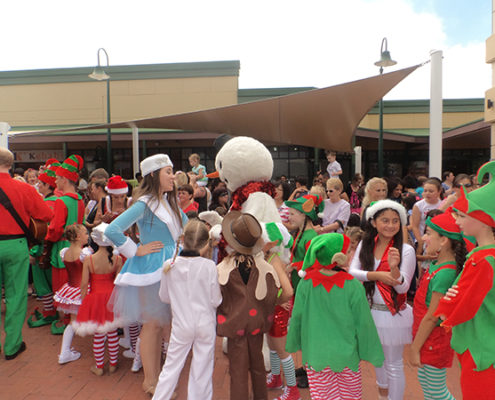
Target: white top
pixel 191 288
pixel 339 211
pixel 407 267
pixel 333 168
pixel 424 208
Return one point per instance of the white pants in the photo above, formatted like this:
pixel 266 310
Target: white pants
pixel 391 375
pixel 202 341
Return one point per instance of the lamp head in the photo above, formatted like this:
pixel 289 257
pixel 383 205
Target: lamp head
pixel 385 60
pixel 99 74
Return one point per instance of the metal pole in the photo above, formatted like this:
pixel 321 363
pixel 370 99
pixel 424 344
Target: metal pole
pixel 357 160
pixel 109 133
pixel 380 139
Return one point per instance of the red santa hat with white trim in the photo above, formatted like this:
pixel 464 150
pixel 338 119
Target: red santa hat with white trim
pixel 116 185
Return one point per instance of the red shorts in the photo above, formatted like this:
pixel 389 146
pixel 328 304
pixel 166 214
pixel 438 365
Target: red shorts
pixel 59 277
pixel 281 320
pixel 476 385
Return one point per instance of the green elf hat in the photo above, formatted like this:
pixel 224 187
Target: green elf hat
pixel 325 251
pixel 479 204
pixel 277 232
pixel 48 175
pixel 309 204
pixel 70 168
pixel 444 224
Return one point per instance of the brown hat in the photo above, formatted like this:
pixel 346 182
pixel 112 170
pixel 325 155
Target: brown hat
pixel 242 232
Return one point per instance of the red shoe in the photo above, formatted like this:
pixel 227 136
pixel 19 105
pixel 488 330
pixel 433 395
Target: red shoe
pixel 290 393
pixel 274 381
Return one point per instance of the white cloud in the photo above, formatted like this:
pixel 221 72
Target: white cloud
pixel 279 43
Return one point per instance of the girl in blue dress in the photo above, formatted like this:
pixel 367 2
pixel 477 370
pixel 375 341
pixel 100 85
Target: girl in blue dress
pixel 160 222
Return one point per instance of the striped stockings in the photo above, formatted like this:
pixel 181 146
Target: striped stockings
pixel 99 348
pixel 329 385
pixel 47 301
pixel 134 331
pixel 433 383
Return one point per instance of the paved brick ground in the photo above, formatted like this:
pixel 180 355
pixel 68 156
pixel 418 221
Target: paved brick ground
pixel 36 375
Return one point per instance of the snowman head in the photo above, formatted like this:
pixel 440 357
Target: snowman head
pixel 243 159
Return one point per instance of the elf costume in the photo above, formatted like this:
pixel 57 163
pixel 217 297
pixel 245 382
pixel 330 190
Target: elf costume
pixel 310 205
pixel 42 278
pixel 436 354
pixel 331 322
pixel 471 313
pixel 68 210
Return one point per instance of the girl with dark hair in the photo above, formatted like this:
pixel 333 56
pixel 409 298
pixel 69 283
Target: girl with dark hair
pixel 220 199
pixel 430 350
pixel 160 222
pixel 282 193
pixel 386 266
pixel 394 186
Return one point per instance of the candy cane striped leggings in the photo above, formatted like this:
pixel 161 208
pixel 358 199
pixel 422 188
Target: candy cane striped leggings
pixel 329 385
pixel 433 382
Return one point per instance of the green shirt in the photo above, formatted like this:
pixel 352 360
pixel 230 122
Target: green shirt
pixel 442 280
pixel 300 252
pixel 333 329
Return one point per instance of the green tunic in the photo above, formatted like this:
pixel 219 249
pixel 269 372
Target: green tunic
pixel 299 253
pixel 333 329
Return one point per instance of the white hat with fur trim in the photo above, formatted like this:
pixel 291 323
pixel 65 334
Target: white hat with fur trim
pixel 387 204
pixel 154 163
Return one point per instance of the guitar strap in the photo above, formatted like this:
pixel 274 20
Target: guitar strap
pixel 5 201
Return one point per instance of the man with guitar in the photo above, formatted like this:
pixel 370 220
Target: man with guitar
pixel 19 203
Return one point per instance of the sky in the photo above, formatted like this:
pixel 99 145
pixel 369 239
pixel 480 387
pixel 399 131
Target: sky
pixel 279 43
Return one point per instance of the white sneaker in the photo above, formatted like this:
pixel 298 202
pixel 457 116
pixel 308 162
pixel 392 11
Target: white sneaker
pixel 68 356
pixel 128 354
pixel 136 364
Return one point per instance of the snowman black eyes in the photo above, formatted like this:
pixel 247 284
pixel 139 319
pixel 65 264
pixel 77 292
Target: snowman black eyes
pixel 220 164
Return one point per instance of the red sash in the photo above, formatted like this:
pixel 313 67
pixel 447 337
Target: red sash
pixel 386 290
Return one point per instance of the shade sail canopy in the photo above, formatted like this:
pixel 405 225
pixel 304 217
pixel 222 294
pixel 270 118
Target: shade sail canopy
pixel 323 118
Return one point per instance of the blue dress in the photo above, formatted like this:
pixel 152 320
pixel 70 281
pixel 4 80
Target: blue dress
pixel 135 296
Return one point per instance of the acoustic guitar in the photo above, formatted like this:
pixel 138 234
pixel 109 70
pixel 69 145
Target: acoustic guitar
pixel 38 228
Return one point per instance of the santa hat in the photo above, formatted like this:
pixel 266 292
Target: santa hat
pixel 70 168
pixel 384 205
pixel 479 203
pixel 116 185
pixel 325 251
pixel 154 163
pixel 48 175
pixel 277 232
pixel 309 204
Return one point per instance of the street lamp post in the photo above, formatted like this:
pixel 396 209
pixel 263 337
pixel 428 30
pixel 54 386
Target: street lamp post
pixel 385 61
pixel 99 74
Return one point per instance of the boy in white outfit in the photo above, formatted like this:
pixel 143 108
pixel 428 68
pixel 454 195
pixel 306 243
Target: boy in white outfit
pixel 190 284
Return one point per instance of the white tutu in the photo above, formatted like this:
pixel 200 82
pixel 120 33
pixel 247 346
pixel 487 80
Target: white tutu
pixel 131 304
pixel 394 330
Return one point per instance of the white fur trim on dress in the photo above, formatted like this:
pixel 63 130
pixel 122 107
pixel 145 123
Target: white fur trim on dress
pixel 383 205
pixel 130 279
pixel 90 328
pixel 128 249
pixel 164 213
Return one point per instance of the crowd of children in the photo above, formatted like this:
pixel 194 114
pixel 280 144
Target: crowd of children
pixel 338 299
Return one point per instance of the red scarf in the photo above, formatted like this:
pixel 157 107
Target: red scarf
pixel 386 290
pixel 241 194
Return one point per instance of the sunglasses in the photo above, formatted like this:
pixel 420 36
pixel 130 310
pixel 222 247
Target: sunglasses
pixel 330 190
pixel 466 185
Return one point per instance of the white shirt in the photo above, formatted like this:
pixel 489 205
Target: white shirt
pixel 333 168
pixel 191 288
pixel 339 211
pixel 407 267
pixel 424 208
